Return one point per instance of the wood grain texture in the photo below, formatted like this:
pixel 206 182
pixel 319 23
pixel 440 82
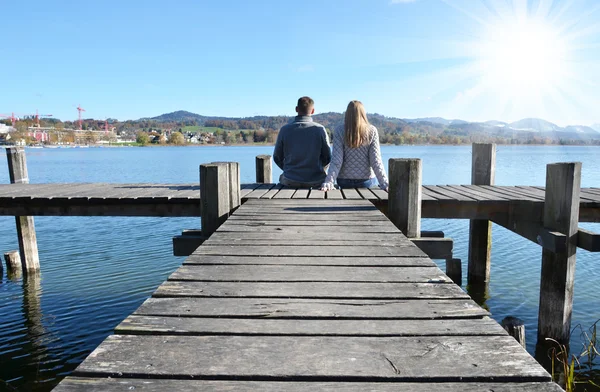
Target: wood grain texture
pixel 447 358
pixel 302 308
pixel 404 206
pixel 292 273
pixel 75 384
pixel 146 325
pixel 323 261
pixel 310 290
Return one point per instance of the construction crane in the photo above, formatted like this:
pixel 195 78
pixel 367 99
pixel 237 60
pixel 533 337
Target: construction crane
pixel 80 109
pixel 37 117
pixel 12 117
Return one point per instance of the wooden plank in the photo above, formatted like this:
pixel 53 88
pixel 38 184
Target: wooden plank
pixel 304 242
pixel 135 324
pixel 308 222
pixel 513 194
pixel 74 384
pixel 301 194
pixel 245 215
pixel 323 261
pixel 292 273
pixel 272 192
pixel 435 248
pixel 448 192
pixel 285 193
pixel 247 188
pixel 481 195
pixel 380 193
pixel 583 197
pixel 367 194
pixel 303 229
pixel 334 194
pixel 433 195
pixel 316 194
pixel 351 194
pixel 330 358
pixel 313 236
pixel 310 290
pixel 260 191
pixel 312 250
pixel 300 308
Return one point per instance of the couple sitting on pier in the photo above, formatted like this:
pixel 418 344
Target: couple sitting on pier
pixel 302 151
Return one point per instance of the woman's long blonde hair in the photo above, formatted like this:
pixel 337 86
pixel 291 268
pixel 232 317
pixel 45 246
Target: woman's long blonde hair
pixel 356 125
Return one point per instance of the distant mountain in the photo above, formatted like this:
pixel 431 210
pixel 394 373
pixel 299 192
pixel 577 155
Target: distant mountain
pixel 180 115
pixel 534 125
pixel 494 123
pixel 596 127
pixel 581 129
pixel 434 120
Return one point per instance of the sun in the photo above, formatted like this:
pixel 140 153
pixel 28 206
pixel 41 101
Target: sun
pixel 523 58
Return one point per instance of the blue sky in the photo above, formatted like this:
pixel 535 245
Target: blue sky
pixel 450 58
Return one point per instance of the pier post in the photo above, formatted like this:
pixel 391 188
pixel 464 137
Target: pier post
pixel 215 196
pixel 233 173
pixel 13 262
pixel 404 199
pixel 264 169
pixel 454 270
pixel 515 328
pixel 483 172
pixel 561 214
pixel 17 168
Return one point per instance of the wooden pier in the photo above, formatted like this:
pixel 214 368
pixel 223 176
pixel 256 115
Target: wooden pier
pixel 299 295
pixel 297 289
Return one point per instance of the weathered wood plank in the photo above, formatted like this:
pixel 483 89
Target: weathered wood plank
pixel 260 191
pixel 334 194
pixel 457 358
pixel 310 290
pixel 314 236
pixel 285 193
pixel 272 192
pixel 308 222
pixel 247 188
pixel 301 229
pixel 305 242
pixel 300 308
pixel 73 384
pixel 380 193
pixel 137 325
pixel 292 273
pixel 351 194
pixel 245 215
pixel 316 194
pixel 367 194
pixel 324 261
pixel 406 249
pixel 448 192
pixel 301 194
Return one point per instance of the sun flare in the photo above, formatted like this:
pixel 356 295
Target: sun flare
pixel 523 58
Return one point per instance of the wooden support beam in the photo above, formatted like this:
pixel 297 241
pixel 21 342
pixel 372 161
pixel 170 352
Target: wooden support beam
pixel 561 212
pixel 404 199
pixel 551 240
pixel 432 234
pixel 435 248
pixel 17 168
pixel 588 240
pixel 13 262
pixel 264 169
pixel 483 172
pixel 214 188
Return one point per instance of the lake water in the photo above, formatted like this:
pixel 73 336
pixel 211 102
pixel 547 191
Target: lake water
pixel 97 270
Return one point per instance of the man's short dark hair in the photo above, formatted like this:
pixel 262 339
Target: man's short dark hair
pixel 305 104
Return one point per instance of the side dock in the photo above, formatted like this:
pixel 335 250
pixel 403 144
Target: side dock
pixel 334 297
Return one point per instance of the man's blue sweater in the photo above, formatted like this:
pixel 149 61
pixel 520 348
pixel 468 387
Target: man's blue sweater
pixel 302 150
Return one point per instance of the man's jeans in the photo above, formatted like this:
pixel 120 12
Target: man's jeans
pixel 348 183
pixel 296 184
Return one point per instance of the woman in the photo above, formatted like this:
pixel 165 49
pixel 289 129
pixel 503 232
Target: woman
pixel 356 159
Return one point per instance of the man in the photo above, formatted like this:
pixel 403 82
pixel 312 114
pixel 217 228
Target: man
pixel 302 149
